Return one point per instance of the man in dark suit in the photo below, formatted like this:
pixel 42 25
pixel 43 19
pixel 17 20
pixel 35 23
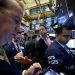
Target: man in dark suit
pixel 40 47
pixel 58 54
pixel 16 49
pixel 11 13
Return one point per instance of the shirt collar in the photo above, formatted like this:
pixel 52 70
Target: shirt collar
pixel 44 38
pixel 61 44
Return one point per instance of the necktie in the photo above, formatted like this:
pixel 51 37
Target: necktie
pixel 18 49
pixel 68 51
pixel 47 42
pixel 3 54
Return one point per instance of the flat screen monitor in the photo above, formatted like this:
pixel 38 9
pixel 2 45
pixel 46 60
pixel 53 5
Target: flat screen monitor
pixel 62 18
pixel 71 43
pixel 69 8
pixel 53 71
pixel 73 34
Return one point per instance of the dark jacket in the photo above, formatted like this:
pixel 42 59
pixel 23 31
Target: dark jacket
pixel 58 57
pixel 7 69
pixel 31 47
pixel 11 51
pixel 40 49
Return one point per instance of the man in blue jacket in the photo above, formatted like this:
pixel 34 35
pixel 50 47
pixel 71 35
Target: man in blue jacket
pixel 58 54
pixel 15 50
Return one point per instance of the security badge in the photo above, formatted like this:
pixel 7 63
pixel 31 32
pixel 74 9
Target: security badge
pixel 22 47
pixel 52 60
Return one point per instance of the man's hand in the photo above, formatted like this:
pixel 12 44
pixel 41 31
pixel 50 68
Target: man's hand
pixel 23 60
pixel 34 69
pixel 17 56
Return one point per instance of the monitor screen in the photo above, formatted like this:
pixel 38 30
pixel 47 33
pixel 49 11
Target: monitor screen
pixel 69 8
pixel 71 43
pixel 66 12
pixel 73 34
pixel 51 72
pixel 61 18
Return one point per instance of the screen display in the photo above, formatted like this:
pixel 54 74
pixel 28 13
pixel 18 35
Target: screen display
pixel 61 18
pixel 71 43
pixel 69 9
pixel 51 72
pixel 73 34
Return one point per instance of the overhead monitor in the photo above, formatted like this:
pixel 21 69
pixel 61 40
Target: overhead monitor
pixel 61 18
pixel 66 14
pixel 69 7
pixel 71 43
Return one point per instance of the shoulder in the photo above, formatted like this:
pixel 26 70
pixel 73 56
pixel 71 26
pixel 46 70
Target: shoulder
pixel 10 44
pixel 8 69
pixel 53 47
pixel 40 40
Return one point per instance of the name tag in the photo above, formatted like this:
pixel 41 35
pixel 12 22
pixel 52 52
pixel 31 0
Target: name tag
pixel 22 47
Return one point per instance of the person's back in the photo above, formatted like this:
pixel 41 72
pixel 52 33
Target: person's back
pixel 28 40
pixel 31 45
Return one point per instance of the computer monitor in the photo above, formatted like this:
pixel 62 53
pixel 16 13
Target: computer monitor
pixel 53 71
pixel 67 11
pixel 71 43
pixel 67 6
pixel 73 34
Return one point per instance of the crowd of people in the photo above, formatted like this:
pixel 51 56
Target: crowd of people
pixel 30 58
